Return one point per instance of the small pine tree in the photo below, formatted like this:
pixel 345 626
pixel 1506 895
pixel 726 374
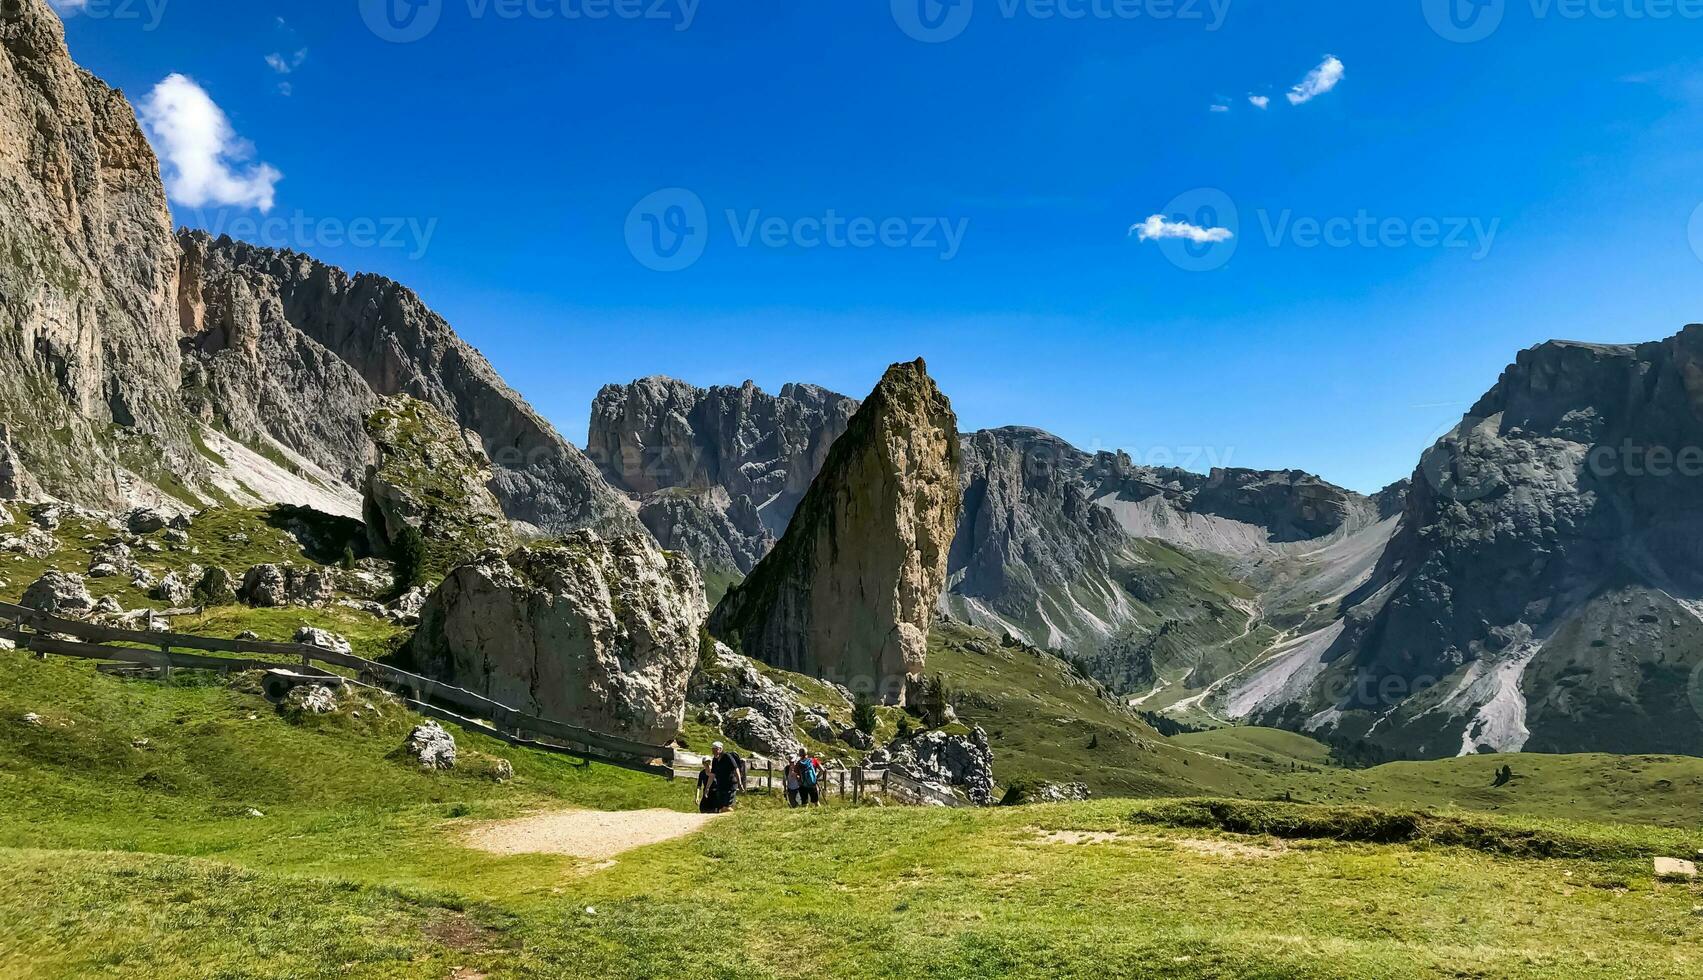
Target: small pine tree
pixel 348 558
pixel 1094 743
pixel 410 551
pixel 904 726
pixel 864 718
pixel 707 657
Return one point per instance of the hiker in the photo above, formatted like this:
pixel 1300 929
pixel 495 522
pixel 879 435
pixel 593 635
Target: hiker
pixel 809 778
pixel 727 778
pixel 704 787
pixel 792 784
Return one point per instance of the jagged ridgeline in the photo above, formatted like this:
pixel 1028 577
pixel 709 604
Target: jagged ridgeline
pixel 143 367
pixel 849 592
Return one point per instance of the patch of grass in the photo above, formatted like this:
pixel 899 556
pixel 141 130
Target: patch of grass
pixel 1375 825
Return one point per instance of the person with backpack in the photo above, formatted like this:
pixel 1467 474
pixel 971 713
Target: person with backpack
pixel 809 779
pixel 791 777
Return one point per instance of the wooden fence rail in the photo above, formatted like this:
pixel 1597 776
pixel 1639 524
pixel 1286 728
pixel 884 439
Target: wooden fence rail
pixel 436 698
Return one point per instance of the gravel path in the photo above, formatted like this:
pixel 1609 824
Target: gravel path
pixel 590 834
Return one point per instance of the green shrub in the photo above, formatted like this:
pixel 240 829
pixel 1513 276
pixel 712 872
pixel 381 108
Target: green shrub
pixel 864 718
pixel 409 549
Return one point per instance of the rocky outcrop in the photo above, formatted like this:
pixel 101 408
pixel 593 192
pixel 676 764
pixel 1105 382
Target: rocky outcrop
pixel 599 634
pixel 1033 555
pixel 1543 590
pixel 276 586
pixel 718 471
pixel 849 592
pixel 283 348
pixel 89 367
pixel 430 477
pixel 947 762
pixel 431 747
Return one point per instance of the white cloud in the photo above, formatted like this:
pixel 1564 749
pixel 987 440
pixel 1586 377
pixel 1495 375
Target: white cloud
pixel 1259 101
pixel 283 64
pixel 1218 107
pixel 199 150
pixel 1157 227
pixel 1318 81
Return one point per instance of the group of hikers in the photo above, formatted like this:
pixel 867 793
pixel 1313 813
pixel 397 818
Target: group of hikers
pixel 723 778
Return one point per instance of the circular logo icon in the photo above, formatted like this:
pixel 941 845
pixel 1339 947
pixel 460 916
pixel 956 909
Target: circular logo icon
pixel 1464 21
pixel 933 21
pixel 1457 473
pixel 1198 231
pixel 667 231
pixel 401 21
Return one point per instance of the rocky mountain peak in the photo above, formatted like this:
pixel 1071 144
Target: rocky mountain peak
pixel 849 591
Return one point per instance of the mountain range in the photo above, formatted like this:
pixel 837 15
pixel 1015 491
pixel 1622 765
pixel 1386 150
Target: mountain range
pixel 1536 585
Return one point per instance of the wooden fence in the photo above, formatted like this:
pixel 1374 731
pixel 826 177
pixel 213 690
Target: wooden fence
pixel 41 633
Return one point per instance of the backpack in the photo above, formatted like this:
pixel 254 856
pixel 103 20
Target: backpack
pixel 807 772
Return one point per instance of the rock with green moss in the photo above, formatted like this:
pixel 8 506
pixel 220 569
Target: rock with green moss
pixel 599 634
pixel 432 477
pixel 849 593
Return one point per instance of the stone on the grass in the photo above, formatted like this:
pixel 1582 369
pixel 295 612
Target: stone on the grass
pixel 1673 869
pixel 171 590
pixel 59 594
pixel 313 699
pixel 432 746
pixel 146 520
pixel 31 718
pixel 324 639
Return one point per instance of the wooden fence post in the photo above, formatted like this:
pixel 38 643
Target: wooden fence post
pixel 771 777
pixel 857 784
pixel 842 785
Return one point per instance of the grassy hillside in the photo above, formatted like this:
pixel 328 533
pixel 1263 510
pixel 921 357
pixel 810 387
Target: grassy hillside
pixel 128 849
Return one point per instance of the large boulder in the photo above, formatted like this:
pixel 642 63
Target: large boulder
pixel 433 477
pixel 599 634
pixel 32 542
pixel 957 761
pixel 59 594
pixel 849 592
pixel 431 746
pixel 274 586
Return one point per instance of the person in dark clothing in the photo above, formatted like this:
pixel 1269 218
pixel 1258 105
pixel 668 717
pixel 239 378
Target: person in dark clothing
pixel 704 788
pixel 809 779
pixel 727 778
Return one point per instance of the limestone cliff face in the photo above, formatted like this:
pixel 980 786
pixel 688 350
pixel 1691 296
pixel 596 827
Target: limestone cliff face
pixel 599 634
pixel 318 347
pixel 1543 590
pixel 849 592
pixel 429 476
pixel 718 471
pixel 88 283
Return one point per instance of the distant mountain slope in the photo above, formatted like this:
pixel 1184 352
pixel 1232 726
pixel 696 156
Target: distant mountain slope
pixel 1544 589
pixel 717 472
pixel 281 347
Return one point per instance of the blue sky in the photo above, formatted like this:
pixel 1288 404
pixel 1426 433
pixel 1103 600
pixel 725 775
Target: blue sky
pixel 1482 197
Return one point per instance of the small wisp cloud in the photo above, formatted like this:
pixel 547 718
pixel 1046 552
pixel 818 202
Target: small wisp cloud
pixel 201 156
pixel 1158 227
pixel 1318 81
